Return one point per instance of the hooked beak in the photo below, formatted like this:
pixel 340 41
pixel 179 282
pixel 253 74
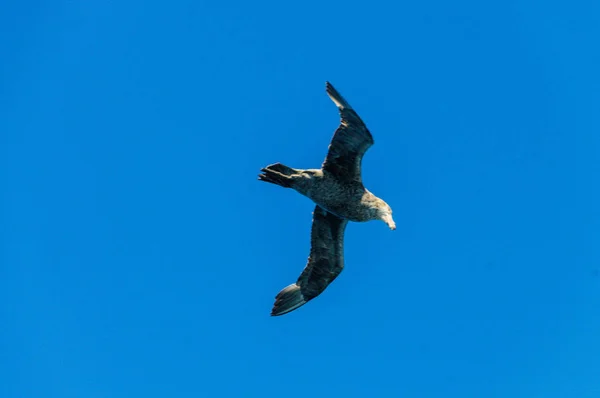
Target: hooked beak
pixel 387 218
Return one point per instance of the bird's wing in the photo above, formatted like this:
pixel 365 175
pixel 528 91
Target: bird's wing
pixel 349 143
pixel 325 263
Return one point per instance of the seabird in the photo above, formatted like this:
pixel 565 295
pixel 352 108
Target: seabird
pixel 340 196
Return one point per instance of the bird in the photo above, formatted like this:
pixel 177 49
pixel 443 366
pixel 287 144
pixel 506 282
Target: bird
pixel 339 194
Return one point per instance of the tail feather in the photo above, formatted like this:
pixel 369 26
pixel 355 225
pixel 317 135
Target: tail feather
pixel 277 174
pixel 336 97
pixel 288 300
pixel 282 168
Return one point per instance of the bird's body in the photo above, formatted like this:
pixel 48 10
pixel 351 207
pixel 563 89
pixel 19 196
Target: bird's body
pixel 348 200
pixel 340 195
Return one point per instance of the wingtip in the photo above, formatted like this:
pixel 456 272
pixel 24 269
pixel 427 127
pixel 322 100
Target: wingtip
pixel 329 88
pixel 336 97
pixel 287 300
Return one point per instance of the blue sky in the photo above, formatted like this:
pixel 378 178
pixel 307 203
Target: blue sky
pixel 140 256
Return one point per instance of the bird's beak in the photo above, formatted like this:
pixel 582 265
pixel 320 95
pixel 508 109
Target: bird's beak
pixel 387 218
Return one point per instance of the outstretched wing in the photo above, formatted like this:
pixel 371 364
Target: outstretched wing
pixel 325 263
pixel 349 143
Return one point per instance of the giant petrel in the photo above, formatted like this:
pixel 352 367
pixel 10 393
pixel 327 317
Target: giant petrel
pixel 340 195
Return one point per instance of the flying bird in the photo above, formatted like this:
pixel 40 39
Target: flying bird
pixel 340 196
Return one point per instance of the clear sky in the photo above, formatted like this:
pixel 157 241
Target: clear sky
pixel 140 256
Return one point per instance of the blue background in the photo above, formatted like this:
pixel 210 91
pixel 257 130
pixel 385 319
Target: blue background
pixel 140 256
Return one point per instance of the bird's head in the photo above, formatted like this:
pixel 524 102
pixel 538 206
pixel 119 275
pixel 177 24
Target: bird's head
pixel 383 212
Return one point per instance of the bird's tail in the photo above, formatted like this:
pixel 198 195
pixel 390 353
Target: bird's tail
pixel 278 174
pixel 288 300
pixel 336 97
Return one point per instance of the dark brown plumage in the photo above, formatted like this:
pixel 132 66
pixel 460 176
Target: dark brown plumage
pixel 340 195
pixel 325 263
pixel 349 143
